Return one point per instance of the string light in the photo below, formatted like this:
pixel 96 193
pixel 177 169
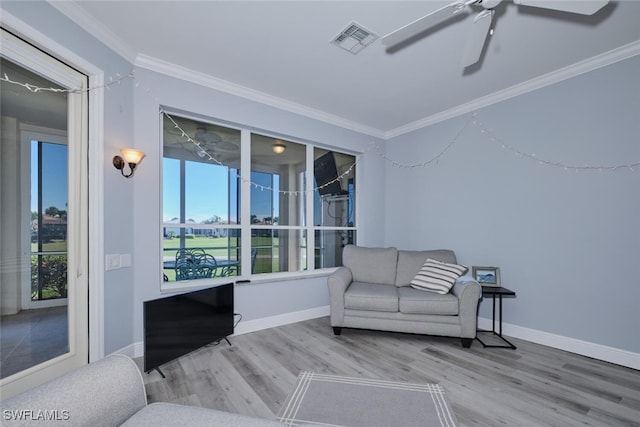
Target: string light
pixel 433 160
pixel 35 89
pixel 430 162
pixel 545 162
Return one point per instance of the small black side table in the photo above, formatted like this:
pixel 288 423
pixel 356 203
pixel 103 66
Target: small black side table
pixel 499 291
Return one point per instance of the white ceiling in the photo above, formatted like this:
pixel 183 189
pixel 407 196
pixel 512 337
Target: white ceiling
pixel 279 52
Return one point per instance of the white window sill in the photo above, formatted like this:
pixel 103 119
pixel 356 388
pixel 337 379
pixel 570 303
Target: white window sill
pixel 190 285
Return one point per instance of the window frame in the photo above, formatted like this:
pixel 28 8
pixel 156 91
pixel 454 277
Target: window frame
pixel 245 227
pixel 54 137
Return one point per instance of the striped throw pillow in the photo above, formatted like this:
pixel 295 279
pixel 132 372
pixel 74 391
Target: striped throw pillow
pixel 437 276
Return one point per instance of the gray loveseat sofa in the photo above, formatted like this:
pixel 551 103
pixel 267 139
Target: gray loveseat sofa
pixel 372 291
pixel 109 392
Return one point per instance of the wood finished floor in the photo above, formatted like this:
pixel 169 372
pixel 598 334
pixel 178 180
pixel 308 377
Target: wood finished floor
pixel 531 386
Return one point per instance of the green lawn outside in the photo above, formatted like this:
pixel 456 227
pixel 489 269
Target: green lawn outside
pixel 53 246
pixel 216 246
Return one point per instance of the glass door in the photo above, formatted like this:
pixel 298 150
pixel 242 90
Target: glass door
pixel 43 217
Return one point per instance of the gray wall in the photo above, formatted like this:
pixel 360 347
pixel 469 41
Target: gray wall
pixel 567 242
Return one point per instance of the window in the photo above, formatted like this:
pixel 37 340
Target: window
pixel 286 225
pixel 278 237
pixel 200 200
pixel 48 222
pixel 334 209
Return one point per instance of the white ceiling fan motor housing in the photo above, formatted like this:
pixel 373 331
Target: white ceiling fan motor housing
pixel 490 4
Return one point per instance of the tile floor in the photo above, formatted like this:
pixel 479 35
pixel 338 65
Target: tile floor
pixel 32 337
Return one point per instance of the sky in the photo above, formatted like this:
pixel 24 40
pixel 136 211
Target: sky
pixel 207 190
pixel 54 176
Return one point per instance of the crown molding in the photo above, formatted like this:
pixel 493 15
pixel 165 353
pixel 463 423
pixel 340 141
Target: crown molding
pixel 186 74
pixel 582 67
pixel 88 23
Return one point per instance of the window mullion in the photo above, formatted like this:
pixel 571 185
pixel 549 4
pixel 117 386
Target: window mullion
pixel 40 221
pixel 183 209
pixel 308 195
pixel 245 201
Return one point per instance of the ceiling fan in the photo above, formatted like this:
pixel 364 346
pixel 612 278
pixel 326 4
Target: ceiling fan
pixel 208 141
pixel 211 139
pixel 483 20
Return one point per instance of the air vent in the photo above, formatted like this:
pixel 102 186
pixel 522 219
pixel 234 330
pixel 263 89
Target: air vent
pixel 354 38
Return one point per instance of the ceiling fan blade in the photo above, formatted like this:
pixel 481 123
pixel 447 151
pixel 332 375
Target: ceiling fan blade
pixel 479 31
pixel 584 7
pixel 226 146
pixel 424 23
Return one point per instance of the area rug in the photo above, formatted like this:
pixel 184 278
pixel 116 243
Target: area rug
pixel 329 400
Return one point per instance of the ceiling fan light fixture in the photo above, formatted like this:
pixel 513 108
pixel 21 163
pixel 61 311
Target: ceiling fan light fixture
pixel 279 148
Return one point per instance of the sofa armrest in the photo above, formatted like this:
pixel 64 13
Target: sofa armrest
pixel 103 393
pixel 338 282
pixel 468 293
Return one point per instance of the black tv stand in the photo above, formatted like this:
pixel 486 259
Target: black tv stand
pixel 219 341
pixel 159 371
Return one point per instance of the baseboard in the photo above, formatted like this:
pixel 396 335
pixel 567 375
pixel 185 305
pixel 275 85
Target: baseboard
pixel 247 326
pixel 244 327
pixel 584 348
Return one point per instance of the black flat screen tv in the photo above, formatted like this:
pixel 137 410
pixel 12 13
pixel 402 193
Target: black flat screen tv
pixel 325 171
pixel 179 324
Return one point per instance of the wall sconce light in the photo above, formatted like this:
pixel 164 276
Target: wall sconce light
pixel 279 148
pixel 131 156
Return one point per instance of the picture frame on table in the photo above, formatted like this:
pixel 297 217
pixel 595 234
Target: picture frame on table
pixel 486 276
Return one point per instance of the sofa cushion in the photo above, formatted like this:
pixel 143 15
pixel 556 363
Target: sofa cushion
pixel 414 301
pixel 410 262
pixel 371 265
pixel 373 297
pixel 436 276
